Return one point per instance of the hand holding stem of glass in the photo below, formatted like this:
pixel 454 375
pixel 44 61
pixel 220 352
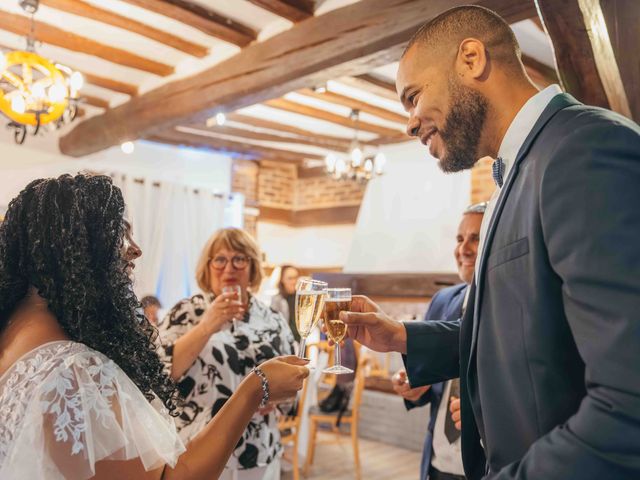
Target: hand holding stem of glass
pixel 310 298
pixel 338 300
pixel 236 290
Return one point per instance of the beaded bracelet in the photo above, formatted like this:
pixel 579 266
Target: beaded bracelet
pixel 265 386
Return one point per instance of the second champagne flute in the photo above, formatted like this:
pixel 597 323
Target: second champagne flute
pixel 338 300
pixel 310 297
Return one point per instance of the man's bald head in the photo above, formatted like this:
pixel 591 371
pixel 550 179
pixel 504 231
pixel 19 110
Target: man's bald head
pixel 445 33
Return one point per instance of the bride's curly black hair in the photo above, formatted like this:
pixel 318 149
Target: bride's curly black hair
pixel 64 236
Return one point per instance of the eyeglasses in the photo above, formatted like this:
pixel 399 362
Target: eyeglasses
pixel 239 262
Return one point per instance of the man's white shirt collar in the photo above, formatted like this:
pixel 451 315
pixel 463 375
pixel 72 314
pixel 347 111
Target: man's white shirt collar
pixel 522 125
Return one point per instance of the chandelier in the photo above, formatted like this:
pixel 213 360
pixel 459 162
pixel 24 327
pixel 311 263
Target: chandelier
pixel 357 166
pixel 33 90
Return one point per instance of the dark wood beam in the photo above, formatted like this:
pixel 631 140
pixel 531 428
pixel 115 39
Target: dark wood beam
pixel 353 103
pixel 233 148
pixel 87 10
pixel 95 101
pixel 623 24
pixel 271 137
pixel 201 18
pixel 294 107
pixel 21 25
pixel 294 10
pixel 283 127
pixel 110 84
pixel 586 63
pixel 312 217
pixel 347 41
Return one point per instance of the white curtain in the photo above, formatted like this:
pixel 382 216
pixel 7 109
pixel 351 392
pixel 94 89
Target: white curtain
pixel 171 223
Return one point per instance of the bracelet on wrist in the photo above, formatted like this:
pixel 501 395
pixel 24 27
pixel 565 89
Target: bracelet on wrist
pixel 265 386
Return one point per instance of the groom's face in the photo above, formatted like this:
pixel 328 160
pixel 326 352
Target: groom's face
pixel 444 115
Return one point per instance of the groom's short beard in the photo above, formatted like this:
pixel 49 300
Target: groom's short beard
pixel 463 127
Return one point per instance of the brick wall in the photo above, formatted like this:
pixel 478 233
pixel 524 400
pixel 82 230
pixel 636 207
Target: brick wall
pixel 244 179
pixel 277 185
pixel 326 192
pixel 482 184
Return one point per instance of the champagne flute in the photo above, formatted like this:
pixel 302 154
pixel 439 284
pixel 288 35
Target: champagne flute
pixel 236 290
pixel 338 300
pixel 310 297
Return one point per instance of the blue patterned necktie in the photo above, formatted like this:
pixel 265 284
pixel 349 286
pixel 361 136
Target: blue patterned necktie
pixel 498 171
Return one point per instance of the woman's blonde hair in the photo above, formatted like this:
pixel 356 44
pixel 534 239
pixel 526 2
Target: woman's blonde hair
pixel 233 239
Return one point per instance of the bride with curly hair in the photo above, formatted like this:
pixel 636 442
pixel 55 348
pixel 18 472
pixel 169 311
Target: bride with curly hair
pixel 83 393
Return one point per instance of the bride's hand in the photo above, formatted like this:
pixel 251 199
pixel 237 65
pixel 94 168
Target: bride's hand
pixel 285 376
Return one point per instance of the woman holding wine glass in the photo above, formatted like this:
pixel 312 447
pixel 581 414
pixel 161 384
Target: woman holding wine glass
pixel 213 339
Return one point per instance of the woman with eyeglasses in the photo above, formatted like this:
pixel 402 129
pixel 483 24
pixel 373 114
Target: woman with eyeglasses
pixel 212 340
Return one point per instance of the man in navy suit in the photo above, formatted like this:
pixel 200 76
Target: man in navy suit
pixel 548 349
pixel 441 456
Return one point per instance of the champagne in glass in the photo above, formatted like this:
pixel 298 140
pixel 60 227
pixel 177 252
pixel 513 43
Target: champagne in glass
pixel 338 300
pixel 310 297
pixel 236 290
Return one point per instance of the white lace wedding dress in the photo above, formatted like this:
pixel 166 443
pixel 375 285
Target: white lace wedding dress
pixel 64 407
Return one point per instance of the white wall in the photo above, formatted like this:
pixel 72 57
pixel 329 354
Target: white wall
pixel 323 246
pixel 409 216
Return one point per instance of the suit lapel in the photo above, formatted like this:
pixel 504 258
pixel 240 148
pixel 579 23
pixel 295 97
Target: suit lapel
pixel 558 103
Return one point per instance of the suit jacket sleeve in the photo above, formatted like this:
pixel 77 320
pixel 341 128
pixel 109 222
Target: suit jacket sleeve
pixel 590 214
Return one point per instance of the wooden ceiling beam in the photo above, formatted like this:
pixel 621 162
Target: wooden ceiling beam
pixel 234 148
pixel 87 10
pixel 353 103
pixel 110 84
pixel 294 107
pixel 283 127
pixel 545 71
pixel 371 87
pixel 347 41
pixel 623 18
pixel 271 137
pixel 94 101
pixel 586 63
pixel 21 25
pixel 294 10
pixel 200 18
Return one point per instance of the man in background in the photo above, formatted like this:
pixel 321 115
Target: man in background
pixel 151 306
pixel 441 454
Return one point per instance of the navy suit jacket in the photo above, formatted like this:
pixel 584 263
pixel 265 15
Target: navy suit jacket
pixel 548 350
pixel 445 305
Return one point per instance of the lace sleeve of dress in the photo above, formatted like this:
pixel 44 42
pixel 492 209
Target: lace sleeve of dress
pixel 87 410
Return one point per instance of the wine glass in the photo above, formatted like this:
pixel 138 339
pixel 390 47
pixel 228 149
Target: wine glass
pixel 338 300
pixel 236 290
pixel 310 297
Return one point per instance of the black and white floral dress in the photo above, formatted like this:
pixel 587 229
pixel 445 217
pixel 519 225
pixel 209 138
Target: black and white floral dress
pixel 226 359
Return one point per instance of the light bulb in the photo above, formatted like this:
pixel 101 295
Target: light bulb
pixel 341 167
pixel 37 91
pixel 128 147
pixel 76 81
pixel 330 162
pixel 220 118
pixel 3 63
pixel 368 165
pixel 18 104
pixel 356 156
pixel 57 93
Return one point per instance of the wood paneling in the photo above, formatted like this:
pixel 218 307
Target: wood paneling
pixel 201 18
pixel 586 64
pixel 78 7
pixel 390 285
pixel 346 41
pixel 21 25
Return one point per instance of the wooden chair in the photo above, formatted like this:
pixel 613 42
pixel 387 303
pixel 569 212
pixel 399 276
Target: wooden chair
pixel 350 417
